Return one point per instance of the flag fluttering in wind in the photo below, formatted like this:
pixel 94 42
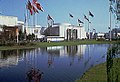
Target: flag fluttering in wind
pixel 34 6
pixel 34 9
pixel 85 17
pixel 80 21
pixel 91 14
pixel 37 4
pixel 49 17
pixel 71 15
pixel 29 7
pixel 34 1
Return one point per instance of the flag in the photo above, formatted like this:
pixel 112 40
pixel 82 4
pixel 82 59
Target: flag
pixel 80 21
pixel 29 7
pixel 71 15
pixel 39 6
pixel 91 14
pixel 49 17
pixel 93 29
pixel 85 17
pixel 34 1
pixel 111 9
pixel 34 9
pixel 112 1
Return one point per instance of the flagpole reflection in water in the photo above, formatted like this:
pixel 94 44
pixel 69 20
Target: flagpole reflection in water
pixel 33 73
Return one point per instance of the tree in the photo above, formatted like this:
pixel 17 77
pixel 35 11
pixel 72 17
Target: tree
pixel 115 8
pixel 21 35
pixel 31 37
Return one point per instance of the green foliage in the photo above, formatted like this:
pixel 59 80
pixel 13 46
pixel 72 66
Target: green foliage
pixel 31 37
pixel 113 71
pixel 21 36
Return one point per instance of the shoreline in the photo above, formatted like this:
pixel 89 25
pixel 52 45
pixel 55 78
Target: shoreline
pixel 46 44
pixel 99 72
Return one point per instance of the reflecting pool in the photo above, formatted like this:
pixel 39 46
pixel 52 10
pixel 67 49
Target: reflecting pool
pixel 51 64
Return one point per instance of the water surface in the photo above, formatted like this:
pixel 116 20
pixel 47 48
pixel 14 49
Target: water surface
pixel 58 63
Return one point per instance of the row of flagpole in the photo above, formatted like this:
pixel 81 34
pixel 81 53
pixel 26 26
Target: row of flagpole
pixel 71 16
pixel 35 6
pixel 31 8
pixel 86 18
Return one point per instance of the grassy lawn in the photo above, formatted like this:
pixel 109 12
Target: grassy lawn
pixel 96 74
pixel 45 44
pixel 73 43
pixel 99 73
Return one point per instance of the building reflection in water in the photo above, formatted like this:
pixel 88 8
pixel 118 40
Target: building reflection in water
pixel 61 51
pixel 10 57
pixel 55 51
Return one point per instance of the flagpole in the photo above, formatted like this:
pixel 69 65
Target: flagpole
pixel 88 26
pixel 84 23
pixel 34 22
pixel 88 31
pixel 26 28
pixel 110 22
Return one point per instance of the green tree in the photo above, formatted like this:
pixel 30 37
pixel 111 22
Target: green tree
pixel 21 35
pixel 31 37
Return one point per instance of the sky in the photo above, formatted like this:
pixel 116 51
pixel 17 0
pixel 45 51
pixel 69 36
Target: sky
pixel 59 10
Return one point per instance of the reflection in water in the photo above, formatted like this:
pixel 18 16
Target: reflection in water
pixel 10 57
pixel 62 51
pixel 72 50
pixel 113 64
pixel 34 74
pixel 59 63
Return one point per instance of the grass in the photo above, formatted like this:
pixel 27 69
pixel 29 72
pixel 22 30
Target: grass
pixel 99 73
pixel 96 74
pixel 64 43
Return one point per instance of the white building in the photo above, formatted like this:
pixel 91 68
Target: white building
pixel 65 31
pixel 8 20
pixel 34 30
pixel 11 30
pixel 101 35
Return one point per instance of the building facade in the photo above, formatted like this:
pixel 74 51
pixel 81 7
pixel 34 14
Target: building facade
pixel 8 20
pixel 8 28
pixel 64 31
pixel 36 30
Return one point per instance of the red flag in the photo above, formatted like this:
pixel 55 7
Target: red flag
pixel 31 12
pixel 39 6
pixel 29 7
pixel 34 1
pixel 34 9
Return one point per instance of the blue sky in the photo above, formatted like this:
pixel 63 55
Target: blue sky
pixel 60 9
